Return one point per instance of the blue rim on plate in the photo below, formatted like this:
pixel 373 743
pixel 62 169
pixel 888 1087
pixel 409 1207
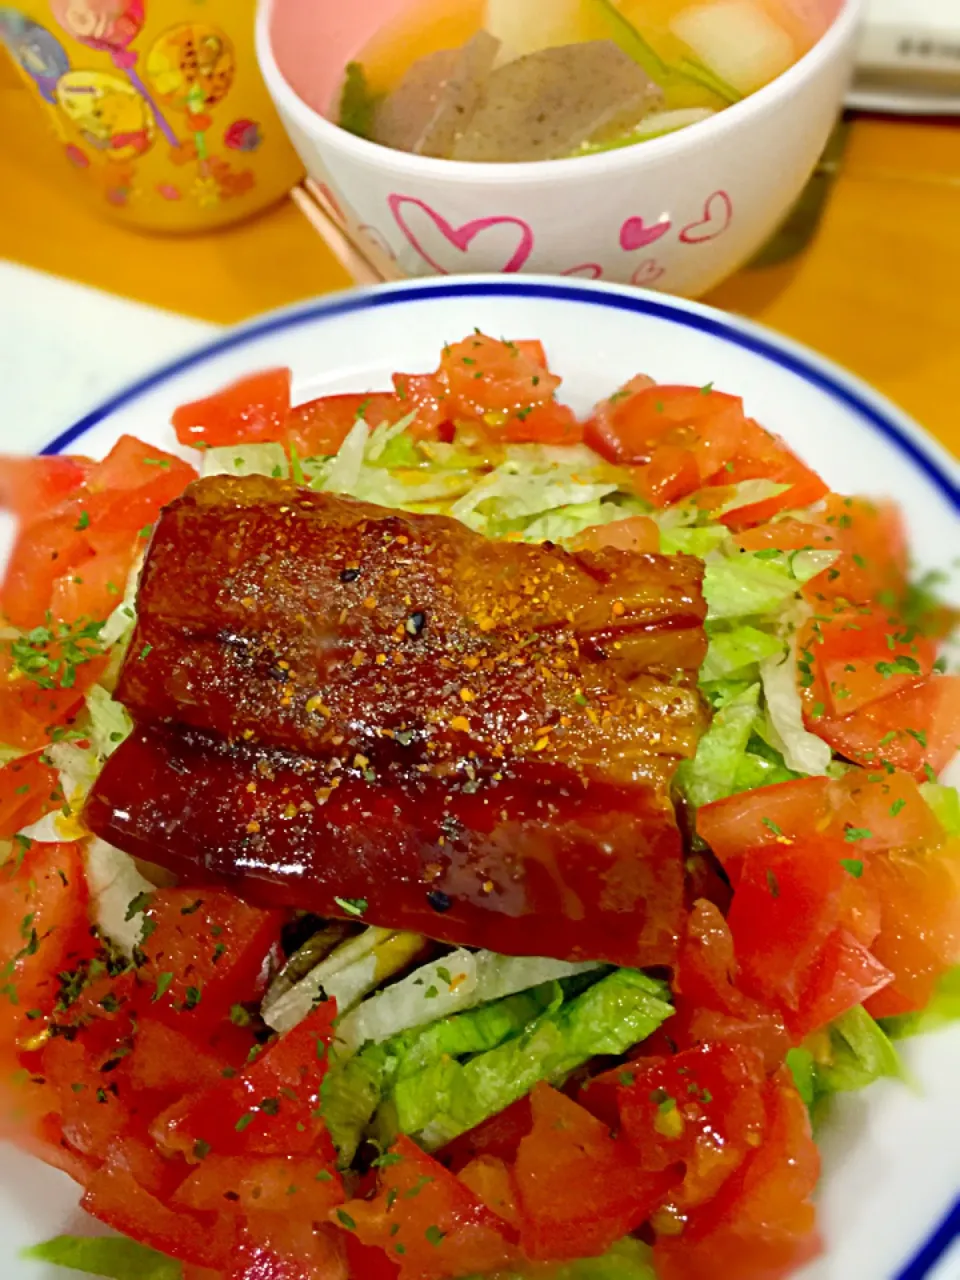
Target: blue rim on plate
pixel 816 370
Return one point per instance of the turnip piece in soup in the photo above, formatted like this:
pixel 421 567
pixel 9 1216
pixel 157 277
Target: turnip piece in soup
pixel 548 104
pixel 436 99
pixel 737 40
pixel 527 26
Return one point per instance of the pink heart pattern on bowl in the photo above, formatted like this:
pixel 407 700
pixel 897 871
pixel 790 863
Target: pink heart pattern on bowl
pixel 586 271
pixel 648 272
pixel 448 249
pixel 717 216
pixel 637 234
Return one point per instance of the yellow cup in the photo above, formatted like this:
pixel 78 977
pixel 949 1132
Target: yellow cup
pixel 158 105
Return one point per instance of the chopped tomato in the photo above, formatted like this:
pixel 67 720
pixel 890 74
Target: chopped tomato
pixel 427 1220
pixel 640 419
pixel 872 538
pixel 204 950
pixel 92 590
pixel 274 1246
pixel 483 375
pixel 579 1189
pixel 166 1060
pixel 916 729
pixel 854 656
pixel 249 411
pixel 636 533
pixel 29 788
pixel 788 535
pixel 886 810
pixel 269 1108
pixel 711 1005
pixel 491 1181
pixel 549 423
pixel 845 975
pixel 761 1225
pixel 702 1108
pixel 366 1262
pixel 498 1136
pixel 919 935
pixel 670 475
pixel 29 712
pixel 787 903
pixel 762 455
pixel 113 1196
pixel 298 1186
pixel 423 393
pixel 771 815
pixel 131 464
pixel 31 487
pixel 320 426
pixel 43 552
pixel 44 930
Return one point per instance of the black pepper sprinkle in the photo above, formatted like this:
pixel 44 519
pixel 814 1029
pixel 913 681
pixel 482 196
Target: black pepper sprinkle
pixel 439 900
pixel 349 575
pixel 416 622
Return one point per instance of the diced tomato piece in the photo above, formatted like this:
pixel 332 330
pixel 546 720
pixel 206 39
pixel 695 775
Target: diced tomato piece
pixel 320 426
pixel 497 1136
pixel 166 1060
pixel 423 393
pixel 44 930
pixel 886 809
pixel 873 540
pixel 368 1263
pixel 29 788
pixel 43 552
pixel 764 456
pixel 29 712
pixel 642 417
pixel 787 903
pixel 428 1221
pixel 270 1108
pixel 711 1006
pixel 703 1108
pixel 249 411
pixel 859 655
pixel 484 375
pixel 132 464
pixel 551 423
pixel 671 474
pixel 113 1196
pixel 845 975
pixel 204 951
pixel 636 533
pixel 916 729
pixel 298 1186
pixel 788 535
pixel 94 589
pixel 761 1225
pixel 579 1189
pixel 919 935
pixel 491 1181
pixel 765 816
pixel 31 487
pixel 274 1246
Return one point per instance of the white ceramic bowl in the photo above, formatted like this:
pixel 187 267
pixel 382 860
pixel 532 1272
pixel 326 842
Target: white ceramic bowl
pixel 892 1153
pixel 679 213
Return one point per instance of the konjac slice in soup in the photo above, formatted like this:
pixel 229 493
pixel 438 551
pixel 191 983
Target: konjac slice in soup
pixel 521 80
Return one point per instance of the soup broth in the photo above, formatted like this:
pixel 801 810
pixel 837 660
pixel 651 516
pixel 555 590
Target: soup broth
pixel 518 80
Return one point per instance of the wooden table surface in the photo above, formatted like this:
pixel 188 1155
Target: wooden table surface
pixel 878 289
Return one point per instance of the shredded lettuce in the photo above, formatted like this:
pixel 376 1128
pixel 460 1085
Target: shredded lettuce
pixel 627 1260
pixel 712 773
pixel 859 1051
pixel 353 1089
pixel 801 750
pixel 449 1097
pixel 945 803
pixel 115 884
pixel 110 721
pixel 113 1257
pixel 732 653
pixel 702 542
pixel 247 460
pixel 511 493
pixel 459 981
pixel 567 522
pixel 942 1009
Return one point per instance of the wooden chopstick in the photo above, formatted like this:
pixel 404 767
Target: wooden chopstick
pixel 353 260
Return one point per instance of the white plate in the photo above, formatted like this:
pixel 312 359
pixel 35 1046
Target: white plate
pixel 892 1154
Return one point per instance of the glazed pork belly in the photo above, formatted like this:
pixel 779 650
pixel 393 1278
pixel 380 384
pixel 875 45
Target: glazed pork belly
pixel 336 703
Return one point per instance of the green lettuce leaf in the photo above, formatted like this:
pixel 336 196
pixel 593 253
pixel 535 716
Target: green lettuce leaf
pixel 860 1052
pixel 558 526
pixel 945 803
pixel 449 1097
pixel 712 773
pixel 702 542
pixel 246 460
pixel 627 1260
pixel 755 584
pixel 734 652
pixel 113 1257
pixel 942 1009
pixel 353 1089
pixel 357 103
